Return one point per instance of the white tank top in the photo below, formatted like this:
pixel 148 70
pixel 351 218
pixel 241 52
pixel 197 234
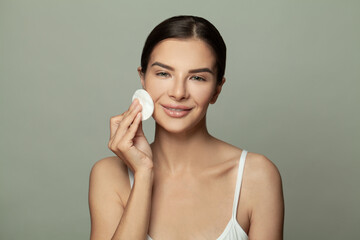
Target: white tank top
pixel 233 230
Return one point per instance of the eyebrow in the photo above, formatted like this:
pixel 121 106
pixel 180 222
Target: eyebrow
pixel 198 70
pixel 163 66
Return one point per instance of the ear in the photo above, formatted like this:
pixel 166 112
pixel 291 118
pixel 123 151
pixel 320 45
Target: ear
pixel 142 77
pixel 217 91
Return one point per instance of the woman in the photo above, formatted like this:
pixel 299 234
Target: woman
pixel 186 184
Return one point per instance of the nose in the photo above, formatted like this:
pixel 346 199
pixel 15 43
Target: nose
pixel 178 90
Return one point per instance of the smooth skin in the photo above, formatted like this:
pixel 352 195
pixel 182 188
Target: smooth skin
pixel 185 180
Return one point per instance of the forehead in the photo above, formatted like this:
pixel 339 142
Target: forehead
pixel 183 53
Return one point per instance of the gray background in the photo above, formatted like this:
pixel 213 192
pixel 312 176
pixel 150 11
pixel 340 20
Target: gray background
pixel 292 94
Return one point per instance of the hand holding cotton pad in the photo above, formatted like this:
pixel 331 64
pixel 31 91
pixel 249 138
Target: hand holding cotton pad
pixel 146 103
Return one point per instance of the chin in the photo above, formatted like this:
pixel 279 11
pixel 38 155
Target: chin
pixel 178 126
pixel 186 124
pixel 175 128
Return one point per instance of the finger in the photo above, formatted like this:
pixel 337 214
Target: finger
pixel 130 134
pixel 131 151
pixel 124 125
pixel 140 131
pixel 130 117
pixel 132 106
pixel 121 145
pixel 134 103
pixel 115 121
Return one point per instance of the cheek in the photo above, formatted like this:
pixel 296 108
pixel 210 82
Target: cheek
pixel 154 88
pixel 203 95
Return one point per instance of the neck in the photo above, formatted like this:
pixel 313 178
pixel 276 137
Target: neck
pixel 177 153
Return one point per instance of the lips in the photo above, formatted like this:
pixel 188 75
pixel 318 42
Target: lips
pixel 176 111
pixel 176 107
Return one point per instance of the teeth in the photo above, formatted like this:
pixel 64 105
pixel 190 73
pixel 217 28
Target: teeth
pixel 175 109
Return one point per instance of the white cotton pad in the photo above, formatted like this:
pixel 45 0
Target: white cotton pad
pixel 146 103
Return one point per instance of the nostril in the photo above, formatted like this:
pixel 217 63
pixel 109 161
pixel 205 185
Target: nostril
pixel 178 92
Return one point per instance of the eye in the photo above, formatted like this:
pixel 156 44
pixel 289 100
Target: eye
pixel 197 78
pixel 162 74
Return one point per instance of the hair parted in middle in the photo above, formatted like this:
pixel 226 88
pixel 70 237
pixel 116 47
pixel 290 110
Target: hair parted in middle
pixel 184 27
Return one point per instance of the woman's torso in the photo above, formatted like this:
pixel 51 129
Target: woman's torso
pixel 199 205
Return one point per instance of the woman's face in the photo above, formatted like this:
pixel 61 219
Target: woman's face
pixel 181 79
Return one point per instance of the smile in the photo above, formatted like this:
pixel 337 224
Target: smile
pixel 176 111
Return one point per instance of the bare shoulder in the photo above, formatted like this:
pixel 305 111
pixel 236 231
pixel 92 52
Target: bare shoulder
pixel 262 177
pixel 108 163
pixel 258 168
pixel 110 176
pixel 264 188
pixel 108 188
pixel 262 170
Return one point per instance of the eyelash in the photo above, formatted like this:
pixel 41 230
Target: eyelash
pixel 162 74
pixel 196 78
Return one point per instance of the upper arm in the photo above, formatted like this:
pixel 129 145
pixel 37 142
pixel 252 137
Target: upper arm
pixel 267 215
pixel 106 206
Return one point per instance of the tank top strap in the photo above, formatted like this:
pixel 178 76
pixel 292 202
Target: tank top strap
pixel 131 177
pixel 238 182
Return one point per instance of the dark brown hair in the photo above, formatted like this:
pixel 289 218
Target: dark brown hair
pixel 183 27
